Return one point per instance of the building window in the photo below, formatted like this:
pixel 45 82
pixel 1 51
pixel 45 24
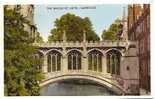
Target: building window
pixel 54 61
pixel 148 43
pixel 132 36
pixel 95 61
pixel 142 46
pixel 138 30
pixel 148 22
pixel 113 62
pixel 143 25
pixel 32 29
pixel 74 60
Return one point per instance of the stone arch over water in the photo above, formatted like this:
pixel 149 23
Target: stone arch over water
pixel 101 81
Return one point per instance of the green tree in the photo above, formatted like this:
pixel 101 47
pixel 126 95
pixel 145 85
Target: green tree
pixel 38 38
pixel 74 26
pixel 111 33
pixel 21 73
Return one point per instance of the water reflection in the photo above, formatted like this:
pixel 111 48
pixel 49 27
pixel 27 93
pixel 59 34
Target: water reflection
pixel 74 88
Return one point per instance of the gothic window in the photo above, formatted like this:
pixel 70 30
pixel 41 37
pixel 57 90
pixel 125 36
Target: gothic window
pixel 113 62
pixel 95 61
pixel 32 29
pixel 138 30
pixel 54 61
pixel 39 57
pixel 74 60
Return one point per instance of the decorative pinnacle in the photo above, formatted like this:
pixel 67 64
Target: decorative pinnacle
pixel 84 36
pixel 64 36
pixel 124 14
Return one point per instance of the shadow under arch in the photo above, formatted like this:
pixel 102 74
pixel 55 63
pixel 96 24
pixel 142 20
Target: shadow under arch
pixel 103 82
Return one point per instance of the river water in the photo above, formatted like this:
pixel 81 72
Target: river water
pixel 70 88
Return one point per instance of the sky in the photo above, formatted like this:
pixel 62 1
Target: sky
pixel 101 16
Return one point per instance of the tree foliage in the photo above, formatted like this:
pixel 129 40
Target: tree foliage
pixel 38 38
pixel 111 33
pixel 21 73
pixel 74 26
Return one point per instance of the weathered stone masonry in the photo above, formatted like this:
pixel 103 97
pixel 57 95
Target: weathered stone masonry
pixel 88 60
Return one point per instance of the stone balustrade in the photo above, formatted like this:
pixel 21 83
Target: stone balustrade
pixel 87 44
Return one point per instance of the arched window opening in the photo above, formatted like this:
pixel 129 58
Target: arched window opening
pixel 54 61
pixel 95 61
pixel 39 57
pixel 74 60
pixel 113 62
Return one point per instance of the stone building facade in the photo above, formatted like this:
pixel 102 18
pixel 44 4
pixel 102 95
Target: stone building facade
pixel 139 30
pixel 28 13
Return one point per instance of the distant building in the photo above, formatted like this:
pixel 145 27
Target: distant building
pixel 28 13
pixel 139 30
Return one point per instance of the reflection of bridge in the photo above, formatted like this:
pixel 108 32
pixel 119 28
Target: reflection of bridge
pixel 111 64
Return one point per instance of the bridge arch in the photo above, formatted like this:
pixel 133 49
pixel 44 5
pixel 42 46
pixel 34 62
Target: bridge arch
pixel 96 50
pixel 115 49
pixel 54 50
pixel 41 52
pixel 101 81
pixel 74 50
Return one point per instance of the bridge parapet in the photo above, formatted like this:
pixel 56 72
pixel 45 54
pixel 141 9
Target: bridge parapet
pixel 87 44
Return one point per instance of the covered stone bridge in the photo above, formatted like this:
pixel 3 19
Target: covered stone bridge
pixel 108 63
